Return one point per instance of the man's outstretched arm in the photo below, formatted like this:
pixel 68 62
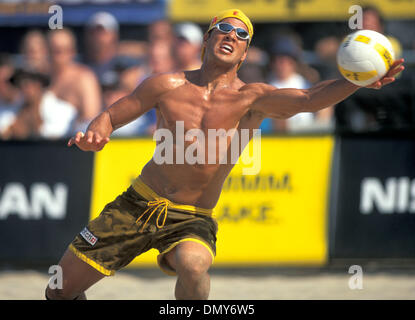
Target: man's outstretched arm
pixel 284 103
pixel 125 110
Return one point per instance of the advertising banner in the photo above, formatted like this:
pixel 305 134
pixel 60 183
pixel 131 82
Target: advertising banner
pixel 71 12
pixel 286 10
pixel 45 191
pixel 275 217
pixel 374 212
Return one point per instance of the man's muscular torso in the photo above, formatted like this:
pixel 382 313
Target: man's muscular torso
pixel 221 108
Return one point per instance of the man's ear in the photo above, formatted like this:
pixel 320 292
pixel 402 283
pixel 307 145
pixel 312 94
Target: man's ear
pixel 245 54
pixel 206 37
pixel 205 40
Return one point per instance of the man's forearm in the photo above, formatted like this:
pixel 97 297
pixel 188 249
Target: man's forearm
pixel 102 124
pixel 118 114
pixel 328 93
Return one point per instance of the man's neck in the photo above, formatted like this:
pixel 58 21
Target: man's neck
pixel 61 69
pixel 214 77
pixel 34 102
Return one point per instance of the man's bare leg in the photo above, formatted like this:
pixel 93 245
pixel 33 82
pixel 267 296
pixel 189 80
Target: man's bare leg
pixel 191 261
pixel 78 276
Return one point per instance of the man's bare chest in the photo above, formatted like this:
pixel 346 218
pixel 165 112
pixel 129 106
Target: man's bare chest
pixel 195 110
pixel 68 90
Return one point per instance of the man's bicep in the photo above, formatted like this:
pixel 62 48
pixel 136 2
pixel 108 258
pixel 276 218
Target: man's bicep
pixel 280 103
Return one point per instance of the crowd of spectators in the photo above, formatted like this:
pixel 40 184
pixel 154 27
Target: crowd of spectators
pixel 49 90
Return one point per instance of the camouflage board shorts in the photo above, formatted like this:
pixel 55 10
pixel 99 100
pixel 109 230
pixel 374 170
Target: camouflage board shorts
pixel 137 221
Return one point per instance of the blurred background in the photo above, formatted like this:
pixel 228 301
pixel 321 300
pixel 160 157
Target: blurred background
pixel 336 188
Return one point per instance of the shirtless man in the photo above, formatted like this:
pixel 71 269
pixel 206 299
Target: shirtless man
pixel 168 207
pixel 71 81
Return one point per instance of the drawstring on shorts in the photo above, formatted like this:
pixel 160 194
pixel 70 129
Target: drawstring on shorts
pixel 155 205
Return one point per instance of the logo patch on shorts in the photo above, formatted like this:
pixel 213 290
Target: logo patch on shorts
pixel 88 236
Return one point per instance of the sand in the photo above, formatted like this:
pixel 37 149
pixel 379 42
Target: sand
pixel 233 284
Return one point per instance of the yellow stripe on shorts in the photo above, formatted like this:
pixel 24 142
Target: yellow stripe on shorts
pixel 356 75
pixel 141 188
pixel 384 54
pixel 92 263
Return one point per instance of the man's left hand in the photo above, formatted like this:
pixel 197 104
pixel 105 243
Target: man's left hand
pixel 395 68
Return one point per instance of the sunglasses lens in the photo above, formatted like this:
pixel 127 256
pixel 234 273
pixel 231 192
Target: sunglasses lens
pixel 225 27
pixel 241 33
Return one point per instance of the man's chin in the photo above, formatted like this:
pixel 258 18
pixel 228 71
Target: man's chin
pixel 225 61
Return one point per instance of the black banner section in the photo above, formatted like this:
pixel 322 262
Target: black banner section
pixel 45 192
pixel 373 200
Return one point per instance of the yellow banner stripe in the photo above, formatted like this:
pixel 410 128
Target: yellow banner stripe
pixel 268 11
pixel 385 55
pixel 356 75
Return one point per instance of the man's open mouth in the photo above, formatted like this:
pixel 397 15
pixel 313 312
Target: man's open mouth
pixel 226 48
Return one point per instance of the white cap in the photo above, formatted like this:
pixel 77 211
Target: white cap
pixel 189 31
pixel 103 19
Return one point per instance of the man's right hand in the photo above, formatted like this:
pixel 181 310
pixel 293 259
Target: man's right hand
pixel 91 141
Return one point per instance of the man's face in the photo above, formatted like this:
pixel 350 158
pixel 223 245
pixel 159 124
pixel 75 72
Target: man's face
pixel 101 38
pixel 371 21
pixel 284 66
pixel 35 47
pixel 161 59
pixel 185 51
pixel 30 88
pixel 227 47
pixel 62 48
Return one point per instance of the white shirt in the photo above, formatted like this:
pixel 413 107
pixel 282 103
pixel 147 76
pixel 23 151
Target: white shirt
pixel 57 115
pixel 301 120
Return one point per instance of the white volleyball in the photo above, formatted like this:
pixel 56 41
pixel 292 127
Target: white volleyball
pixel 364 57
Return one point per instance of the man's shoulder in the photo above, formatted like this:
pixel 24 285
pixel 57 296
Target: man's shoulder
pixel 252 92
pixel 82 71
pixel 169 80
pixel 256 88
pixel 80 67
pixel 159 84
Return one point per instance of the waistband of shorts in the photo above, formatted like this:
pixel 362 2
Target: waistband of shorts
pixel 147 193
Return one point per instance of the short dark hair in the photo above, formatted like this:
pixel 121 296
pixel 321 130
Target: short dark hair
pixel 26 73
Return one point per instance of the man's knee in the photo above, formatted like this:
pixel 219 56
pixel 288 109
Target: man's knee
pixel 193 263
